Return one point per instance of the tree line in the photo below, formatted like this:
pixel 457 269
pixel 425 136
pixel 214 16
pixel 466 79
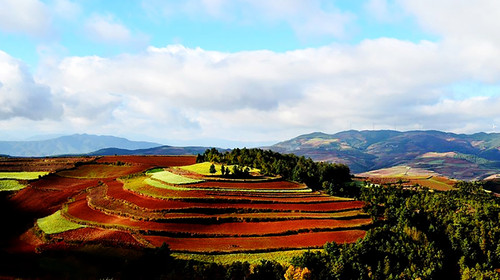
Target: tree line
pixel 332 177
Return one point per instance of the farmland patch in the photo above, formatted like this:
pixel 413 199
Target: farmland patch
pixel 11 185
pixel 56 223
pixel 31 175
pixel 97 171
pixel 171 178
pixel 145 201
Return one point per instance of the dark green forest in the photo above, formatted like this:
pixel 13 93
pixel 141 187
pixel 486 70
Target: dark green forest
pixel 419 234
pixel 316 175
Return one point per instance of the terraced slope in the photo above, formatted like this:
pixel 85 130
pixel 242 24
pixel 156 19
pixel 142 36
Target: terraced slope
pixel 121 205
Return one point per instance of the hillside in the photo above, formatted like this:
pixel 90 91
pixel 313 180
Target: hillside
pixel 460 156
pixel 72 144
pixel 167 217
pixel 122 206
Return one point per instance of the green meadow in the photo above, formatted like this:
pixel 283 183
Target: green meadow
pixel 10 185
pixel 171 178
pixel 203 168
pixel 22 175
pixel 56 223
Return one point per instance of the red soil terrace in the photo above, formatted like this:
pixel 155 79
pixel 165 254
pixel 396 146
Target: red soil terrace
pixel 241 244
pixel 187 220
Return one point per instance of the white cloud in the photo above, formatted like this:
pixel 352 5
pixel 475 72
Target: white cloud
pixel 460 20
pixel 469 30
pixel 107 29
pixel 21 96
pixel 25 16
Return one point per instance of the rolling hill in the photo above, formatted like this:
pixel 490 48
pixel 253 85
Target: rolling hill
pixel 460 156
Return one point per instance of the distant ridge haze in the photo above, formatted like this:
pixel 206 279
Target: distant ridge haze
pixel 72 144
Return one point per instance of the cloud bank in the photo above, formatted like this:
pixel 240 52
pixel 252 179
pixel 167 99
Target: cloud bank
pixel 29 17
pixel 182 92
pixel 21 96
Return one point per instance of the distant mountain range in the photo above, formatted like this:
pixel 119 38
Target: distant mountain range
pixel 162 150
pixel 460 156
pixel 72 144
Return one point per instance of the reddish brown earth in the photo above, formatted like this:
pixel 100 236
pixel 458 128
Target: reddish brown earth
pixel 81 212
pixel 45 196
pixel 151 161
pixel 98 236
pixel 41 164
pixel 189 220
pixel 242 244
pixel 116 190
pixel 181 205
pixel 104 171
pixel 273 185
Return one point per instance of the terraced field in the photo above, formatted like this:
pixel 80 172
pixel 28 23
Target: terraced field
pixel 408 177
pixel 113 201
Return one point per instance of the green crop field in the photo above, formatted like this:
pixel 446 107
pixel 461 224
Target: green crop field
pixel 154 170
pixel 283 257
pixel 22 175
pixel 171 178
pixel 10 185
pixel 203 168
pixel 56 223
pixel 161 185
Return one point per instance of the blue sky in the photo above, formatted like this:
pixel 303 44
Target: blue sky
pixel 195 27
pixel 248 72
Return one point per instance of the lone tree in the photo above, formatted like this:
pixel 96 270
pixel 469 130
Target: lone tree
pixel 212 169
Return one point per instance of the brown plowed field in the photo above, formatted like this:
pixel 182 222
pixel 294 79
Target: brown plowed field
pixel 99 199
pixel 151 161
pixel 81 212
pixel 176 205
pixel 260 197
pixel 100 171
pixel 242 244
pixel 45 196
pixel 97 235
pixel 272 185
pixel 40 164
